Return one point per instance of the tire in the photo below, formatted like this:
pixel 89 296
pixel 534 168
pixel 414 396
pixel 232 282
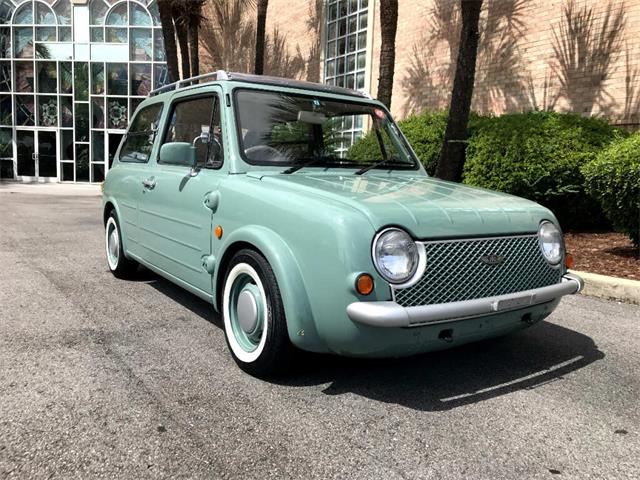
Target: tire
pixel 119 265
pixel 254 321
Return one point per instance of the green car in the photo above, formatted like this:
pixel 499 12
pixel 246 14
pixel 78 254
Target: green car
pixel 248 192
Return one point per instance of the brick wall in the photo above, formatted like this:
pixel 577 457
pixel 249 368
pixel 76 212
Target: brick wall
pixel 581 56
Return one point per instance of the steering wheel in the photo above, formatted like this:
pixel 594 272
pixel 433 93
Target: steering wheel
pixel 263 150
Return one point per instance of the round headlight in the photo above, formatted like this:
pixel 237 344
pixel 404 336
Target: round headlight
pixel 550 239
pixel 395 255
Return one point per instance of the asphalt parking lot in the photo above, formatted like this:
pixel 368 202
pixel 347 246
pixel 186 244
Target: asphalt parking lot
pixel 105 378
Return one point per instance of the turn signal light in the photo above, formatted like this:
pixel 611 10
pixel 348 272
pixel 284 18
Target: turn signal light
pixel 568 261
pixel 364 284
pixel 218 232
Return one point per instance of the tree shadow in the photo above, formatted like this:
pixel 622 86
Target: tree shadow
pixel 279 61
pixel 435 381
pixel 228 41
pixel 631 113
pixel 585 48
pixel 501 80
pixel 228 37
pixel 314 27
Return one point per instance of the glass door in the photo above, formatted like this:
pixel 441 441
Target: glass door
pixel 37 155
pixel 26 150
pixel 113 144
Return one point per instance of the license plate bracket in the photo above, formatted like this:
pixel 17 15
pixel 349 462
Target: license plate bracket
pixel 512 303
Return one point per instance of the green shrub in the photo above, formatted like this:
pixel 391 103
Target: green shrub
pixel 424 132
pixel 614 179
pixel 538 155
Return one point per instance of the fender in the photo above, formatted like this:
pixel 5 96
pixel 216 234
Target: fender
pixel 300 322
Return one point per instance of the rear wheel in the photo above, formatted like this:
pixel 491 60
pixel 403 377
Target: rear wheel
pixel 254 321
pixel 119 265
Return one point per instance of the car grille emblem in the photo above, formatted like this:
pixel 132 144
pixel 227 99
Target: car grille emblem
pixel 492 259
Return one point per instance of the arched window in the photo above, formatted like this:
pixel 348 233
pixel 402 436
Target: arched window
pixel 78 96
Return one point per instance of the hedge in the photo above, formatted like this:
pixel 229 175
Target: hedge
pixel 539 155
pixel 614 179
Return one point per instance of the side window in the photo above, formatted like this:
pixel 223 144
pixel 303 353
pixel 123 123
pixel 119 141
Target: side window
pixel 138 143
pixel 187 121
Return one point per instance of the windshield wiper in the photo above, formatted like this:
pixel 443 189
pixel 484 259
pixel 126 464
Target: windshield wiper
pixel 386 161
pixel 306 163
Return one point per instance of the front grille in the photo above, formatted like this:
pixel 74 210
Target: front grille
pixel 455 271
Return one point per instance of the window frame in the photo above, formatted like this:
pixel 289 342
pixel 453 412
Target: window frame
pixel 128 134
pixel 215 96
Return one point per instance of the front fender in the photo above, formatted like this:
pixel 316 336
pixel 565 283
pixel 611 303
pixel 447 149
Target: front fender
pixel 300 322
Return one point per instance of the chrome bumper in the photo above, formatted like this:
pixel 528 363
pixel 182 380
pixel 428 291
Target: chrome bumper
pixel 390 314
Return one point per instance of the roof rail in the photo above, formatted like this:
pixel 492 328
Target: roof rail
pixel 213 76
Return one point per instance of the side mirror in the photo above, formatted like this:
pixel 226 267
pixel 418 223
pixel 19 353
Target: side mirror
pixel 178 153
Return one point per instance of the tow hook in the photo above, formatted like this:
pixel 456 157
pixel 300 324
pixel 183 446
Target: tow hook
pixel 526 318
pixel 446 335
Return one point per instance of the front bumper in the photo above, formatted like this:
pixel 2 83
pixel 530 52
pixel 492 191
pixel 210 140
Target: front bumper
pixel 390 314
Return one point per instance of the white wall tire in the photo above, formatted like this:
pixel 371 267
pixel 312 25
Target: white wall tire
pixel 239 348
pixel 254 321
pixel 118 263
pixel 112 243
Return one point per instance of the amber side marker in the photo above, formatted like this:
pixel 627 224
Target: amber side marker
pixel 218 231
pixel 364 284
pixel 568 261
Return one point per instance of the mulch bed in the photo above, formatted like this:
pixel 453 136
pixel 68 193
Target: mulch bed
pixel 610 254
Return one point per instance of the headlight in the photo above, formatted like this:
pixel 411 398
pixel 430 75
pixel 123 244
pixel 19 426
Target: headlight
pixel 550 242
pixel 395 255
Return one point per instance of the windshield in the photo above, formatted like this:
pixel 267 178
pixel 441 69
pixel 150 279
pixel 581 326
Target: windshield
pixel 283 129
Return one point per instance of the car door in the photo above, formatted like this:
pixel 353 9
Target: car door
pixel 175 223
pixel 131 167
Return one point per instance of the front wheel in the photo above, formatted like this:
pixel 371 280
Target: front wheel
pixel 254 321
pixel 119 265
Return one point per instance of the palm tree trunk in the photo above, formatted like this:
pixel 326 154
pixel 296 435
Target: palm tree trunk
pixel 260 36
pixel 452 155
pixel 388 28
pixel 169 34
pixel 194 44
pixel 179 20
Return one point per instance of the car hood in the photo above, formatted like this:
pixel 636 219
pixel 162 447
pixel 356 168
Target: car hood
pixel 425 206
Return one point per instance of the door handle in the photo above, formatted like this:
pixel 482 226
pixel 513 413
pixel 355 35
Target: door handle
pixel 149 183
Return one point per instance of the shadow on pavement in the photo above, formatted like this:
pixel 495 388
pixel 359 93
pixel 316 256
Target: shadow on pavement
pixel 437 381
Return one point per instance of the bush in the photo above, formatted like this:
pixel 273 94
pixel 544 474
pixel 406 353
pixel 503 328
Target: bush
pixel 425 133
pixel 614 179
pixel 538 155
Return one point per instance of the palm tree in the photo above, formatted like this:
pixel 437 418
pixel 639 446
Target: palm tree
pixel 452 155
pixel 179 14
pixel 388 28
pixel 260 36
pixel 165 8
pixel 194 19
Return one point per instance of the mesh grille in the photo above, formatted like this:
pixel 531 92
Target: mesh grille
pixel 455 271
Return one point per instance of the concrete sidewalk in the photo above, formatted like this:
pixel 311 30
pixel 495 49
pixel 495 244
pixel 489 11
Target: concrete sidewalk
pixel 58 189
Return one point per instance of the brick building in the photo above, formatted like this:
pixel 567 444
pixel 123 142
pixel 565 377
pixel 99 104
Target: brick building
pixel 581 56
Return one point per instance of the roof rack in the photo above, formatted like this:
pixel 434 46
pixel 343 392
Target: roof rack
pixel 260 79
pixel 213 76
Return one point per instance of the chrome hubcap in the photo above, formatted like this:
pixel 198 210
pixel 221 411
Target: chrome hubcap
pixel 247 311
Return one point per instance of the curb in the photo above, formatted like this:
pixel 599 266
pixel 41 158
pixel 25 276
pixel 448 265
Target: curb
pixel 610 288
pixel 52 188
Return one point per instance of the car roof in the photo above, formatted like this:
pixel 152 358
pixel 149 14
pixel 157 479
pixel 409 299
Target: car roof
pixel 245 78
